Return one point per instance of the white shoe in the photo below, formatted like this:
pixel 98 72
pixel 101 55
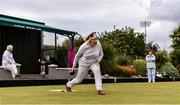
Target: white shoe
pixel 43 73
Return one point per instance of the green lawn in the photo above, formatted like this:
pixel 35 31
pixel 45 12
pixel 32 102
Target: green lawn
pixel 117 93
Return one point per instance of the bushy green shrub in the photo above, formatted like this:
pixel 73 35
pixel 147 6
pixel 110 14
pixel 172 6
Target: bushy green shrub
pixel 169 69
pixel 175 57
pixel 106 66
pixel 122 60
pixel 178 68
pixel 161 58
pixel 140 66
pixel 107 61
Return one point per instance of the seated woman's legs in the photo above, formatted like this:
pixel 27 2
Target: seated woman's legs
pixel 13 69
pixel 43 67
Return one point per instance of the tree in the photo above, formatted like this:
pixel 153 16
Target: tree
pixel 175 54
pixel 153 46
pixel 175 36
pixel 175 57
pixel 126 41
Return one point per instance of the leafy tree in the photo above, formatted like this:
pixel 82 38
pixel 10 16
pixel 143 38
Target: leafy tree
pixel 153 46
pixel 175 36
pixel 175 54
pixel 175 57
pixel 126 41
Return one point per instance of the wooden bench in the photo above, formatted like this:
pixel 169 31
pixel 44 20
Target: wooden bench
pixel 62 73
pixel 6 74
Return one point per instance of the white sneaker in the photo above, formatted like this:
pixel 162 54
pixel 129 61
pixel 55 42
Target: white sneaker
pixel 43 73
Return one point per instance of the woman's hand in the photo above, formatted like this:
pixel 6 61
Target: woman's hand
pixel 89 39
pixel 97 63
pixel 71 69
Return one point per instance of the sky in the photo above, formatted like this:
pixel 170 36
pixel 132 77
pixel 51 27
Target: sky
pixel 85 16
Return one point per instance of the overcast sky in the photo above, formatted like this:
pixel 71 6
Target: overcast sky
pixel 84 16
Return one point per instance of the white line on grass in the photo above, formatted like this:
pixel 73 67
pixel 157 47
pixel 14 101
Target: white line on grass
pixel 61 90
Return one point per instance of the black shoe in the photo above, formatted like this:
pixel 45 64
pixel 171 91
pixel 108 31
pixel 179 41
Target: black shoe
pixel 101 92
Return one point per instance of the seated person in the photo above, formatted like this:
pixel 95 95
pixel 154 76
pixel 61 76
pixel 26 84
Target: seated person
pixel 44 62
pixel 8 61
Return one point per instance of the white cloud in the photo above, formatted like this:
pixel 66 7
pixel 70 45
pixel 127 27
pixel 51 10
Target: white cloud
pixel 85 16
pixel 159 33
pixel 166 10
pixel 164 15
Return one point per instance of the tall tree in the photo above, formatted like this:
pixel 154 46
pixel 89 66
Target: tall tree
pixel 175 54
pixel 175 36
pixel 126 41
pixel 153 46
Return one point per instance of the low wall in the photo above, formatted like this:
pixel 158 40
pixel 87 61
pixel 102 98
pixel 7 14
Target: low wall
pixel 62 73
pixel 6 74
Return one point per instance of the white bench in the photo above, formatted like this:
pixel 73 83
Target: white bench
pixel 62 73
pixel 6 74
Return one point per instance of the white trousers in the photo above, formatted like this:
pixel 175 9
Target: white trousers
pixel 151 74
pixel 12 68
pixel 81 73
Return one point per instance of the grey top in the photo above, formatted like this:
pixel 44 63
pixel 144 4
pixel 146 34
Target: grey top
pixel 150 59
pixel 87 55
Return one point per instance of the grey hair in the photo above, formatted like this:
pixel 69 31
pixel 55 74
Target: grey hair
pixel 9 47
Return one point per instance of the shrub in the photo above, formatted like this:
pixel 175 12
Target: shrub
pixel 161 58
pixel 122 60
pixel 178 68
pixel 106 66
pixel 175 57
pixel 123 71
pixel 107 61
pixel 140 66
pixel 169 69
